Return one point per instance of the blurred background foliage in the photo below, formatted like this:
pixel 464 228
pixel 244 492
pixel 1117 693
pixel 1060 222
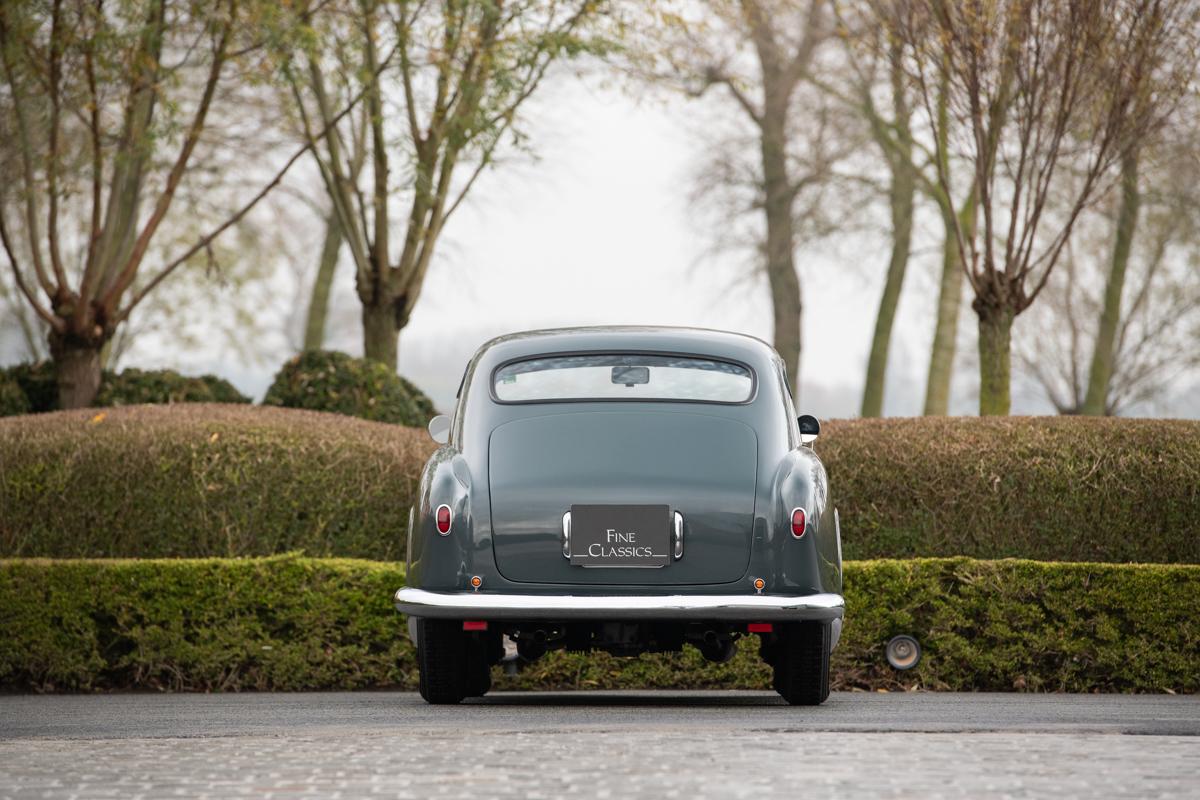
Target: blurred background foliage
pixel 189 178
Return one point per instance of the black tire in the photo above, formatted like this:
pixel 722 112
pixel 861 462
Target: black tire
pixel 442 660
pixel 801 662
pixel 478 668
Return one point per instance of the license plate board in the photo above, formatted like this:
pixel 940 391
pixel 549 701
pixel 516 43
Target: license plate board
pixel 620 536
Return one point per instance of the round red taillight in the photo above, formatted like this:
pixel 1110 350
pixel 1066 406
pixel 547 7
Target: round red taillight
pixel 798 522
pixel 443 519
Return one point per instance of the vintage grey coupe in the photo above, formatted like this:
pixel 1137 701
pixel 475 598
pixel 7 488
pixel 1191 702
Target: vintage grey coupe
pixel 623 489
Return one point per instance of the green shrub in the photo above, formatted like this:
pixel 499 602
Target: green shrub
pixel 421 400
pixel 326 380
pixel 209 625
pixel 202 480
pixel 1049 488
pixel 12 398
pixel 38 382
pixel 295 623
pixel 128 387
pixel 1006 625
pixel 134 386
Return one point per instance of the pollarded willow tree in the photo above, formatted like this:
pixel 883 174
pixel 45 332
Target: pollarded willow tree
pixel 761 57
pixel 1031 86
pixel 443 84
pixel 877 87
pixel 1128 291
pixel 104 107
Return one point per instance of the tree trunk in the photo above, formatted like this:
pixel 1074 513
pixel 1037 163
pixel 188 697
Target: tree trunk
pixel 786 302
pixel 945 332
pixel 380 334
pixel 1100 376
pixel 995 340
pixel 318 304
pixel 77 367
pixel 903 189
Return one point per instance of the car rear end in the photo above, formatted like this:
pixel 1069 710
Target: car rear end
pixel 618 491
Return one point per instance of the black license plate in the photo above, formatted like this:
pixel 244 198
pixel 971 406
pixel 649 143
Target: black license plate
pixel 620 536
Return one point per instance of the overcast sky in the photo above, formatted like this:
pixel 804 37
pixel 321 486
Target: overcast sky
pixel 598 230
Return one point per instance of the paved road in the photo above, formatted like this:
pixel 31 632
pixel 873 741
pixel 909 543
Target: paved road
pixel 620 744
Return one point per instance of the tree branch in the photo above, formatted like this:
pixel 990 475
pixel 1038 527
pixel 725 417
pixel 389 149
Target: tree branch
pixel 206 240
pixel 53 321
pixel 20 105
pixel 126 276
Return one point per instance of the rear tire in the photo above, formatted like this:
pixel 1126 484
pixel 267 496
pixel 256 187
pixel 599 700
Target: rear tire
pixel 478 668
pixel 801 662
pixel 441 658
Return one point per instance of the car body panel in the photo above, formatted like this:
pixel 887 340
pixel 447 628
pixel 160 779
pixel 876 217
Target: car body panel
pixel 700 465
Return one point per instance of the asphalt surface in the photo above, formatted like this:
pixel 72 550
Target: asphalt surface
pixel 117 716
pixel 603 744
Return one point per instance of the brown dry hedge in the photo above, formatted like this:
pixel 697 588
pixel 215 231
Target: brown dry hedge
pixel 211 480
pixel 1047 488
pixel 201 480
pixel 293 623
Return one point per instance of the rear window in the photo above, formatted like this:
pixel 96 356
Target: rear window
pixel 623 376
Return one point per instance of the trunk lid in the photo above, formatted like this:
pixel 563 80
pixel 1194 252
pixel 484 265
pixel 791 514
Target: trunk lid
pixel 700 465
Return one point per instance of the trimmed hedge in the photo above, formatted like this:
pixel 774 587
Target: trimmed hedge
pixel 1048 488
pixel 291 623
pixel 146 482
pixel 205 480
pixel 326 380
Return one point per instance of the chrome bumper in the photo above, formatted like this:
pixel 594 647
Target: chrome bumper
pixel 743 608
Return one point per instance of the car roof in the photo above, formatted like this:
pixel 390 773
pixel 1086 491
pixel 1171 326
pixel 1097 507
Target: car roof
pixel 666 339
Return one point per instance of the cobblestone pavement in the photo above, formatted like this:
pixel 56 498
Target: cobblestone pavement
pixel 694 745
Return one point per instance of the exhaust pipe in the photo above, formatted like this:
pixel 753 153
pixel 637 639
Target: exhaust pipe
pixel 531 646
pixel 716 649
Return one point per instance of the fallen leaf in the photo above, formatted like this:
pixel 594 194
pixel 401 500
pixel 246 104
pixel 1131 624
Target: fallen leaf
pixel 99 417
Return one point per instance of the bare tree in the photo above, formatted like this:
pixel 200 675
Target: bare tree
pixel 876 66
pixel 1141 294
pixel 440 102
pixel 874 85
pixel 1028 85
pixel 761 54
pixel 332 241
pixel 1172 152
pixel 105 107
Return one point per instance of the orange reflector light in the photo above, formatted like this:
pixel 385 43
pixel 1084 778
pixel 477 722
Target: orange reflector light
pixel 474 625
pixel 759 583
pixel 476 581
pixel 798 522
pixel 760 627
pixel 443 519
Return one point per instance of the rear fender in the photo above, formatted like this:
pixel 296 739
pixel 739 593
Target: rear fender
pixel 813 562
pixel 436 561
